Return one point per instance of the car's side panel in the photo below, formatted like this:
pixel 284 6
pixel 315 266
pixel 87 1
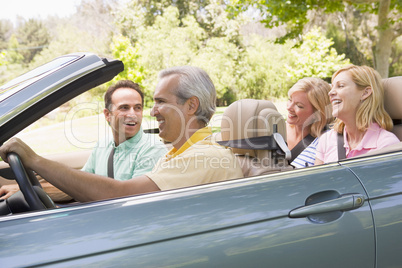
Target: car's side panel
pixel 233 224
pixel 382 177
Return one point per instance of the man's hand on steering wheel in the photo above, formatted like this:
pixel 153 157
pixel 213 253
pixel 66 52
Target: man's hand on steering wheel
pixel 21 157
pixel 8 190
pixel 26 154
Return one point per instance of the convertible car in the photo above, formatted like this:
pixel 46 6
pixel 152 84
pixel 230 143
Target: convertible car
pixel 342 214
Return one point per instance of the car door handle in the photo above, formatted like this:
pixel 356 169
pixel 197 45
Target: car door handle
pixel 342 203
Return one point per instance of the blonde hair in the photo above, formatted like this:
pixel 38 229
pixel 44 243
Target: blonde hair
pixel 317 93
pixel 371 110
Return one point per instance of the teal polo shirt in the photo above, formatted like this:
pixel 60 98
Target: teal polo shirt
pixel 134 157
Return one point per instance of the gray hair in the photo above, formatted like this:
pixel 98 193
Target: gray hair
pixel 194 81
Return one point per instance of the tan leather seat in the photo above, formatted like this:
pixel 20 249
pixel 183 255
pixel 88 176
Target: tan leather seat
pixel 393 102
pixel 249 118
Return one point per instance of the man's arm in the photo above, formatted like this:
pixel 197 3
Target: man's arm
pixel 54 193
pixel 82 186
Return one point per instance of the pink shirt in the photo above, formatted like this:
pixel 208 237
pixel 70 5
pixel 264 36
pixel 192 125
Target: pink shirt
pixel 374 138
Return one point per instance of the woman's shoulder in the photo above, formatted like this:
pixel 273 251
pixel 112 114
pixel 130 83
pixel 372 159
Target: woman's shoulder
pixel 329 134
pixel 387 138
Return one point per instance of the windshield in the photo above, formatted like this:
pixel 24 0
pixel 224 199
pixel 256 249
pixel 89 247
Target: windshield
pixel 31 77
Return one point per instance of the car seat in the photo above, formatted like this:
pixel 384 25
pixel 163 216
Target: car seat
pixel 393 102
pixel 256 132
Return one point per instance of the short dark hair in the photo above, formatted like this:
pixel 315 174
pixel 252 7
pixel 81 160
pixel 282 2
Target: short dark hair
pixel 122 84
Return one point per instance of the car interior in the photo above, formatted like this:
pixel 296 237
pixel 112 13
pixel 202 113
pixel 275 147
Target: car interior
pixel 254 129
pixel 256 132
pixel 393 102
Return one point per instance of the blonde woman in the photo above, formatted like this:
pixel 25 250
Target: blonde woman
pixel 309 111
pixel 357 99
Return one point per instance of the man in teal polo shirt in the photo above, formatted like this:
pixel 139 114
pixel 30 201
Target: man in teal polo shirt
pixel 134 152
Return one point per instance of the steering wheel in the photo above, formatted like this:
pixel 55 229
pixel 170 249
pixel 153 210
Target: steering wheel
pixel 29 185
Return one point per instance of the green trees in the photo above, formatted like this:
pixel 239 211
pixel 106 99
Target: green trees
pixel 128 54
pixel 315 57
pixel 270 69
pixel 6 29
pixel 262 73
pixel 13 55
pixel 175 39
pixel 240 65
pixel 3 58
pixel 244 61
pixel 33 42
pixel 20 46
pixel 296 14
pixel 33 37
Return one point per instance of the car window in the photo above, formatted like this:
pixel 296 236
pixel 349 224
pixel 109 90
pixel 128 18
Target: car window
pixel 75 126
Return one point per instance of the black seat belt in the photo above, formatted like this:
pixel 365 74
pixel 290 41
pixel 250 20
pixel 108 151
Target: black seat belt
pixel 303 144
pixel 110 169
pixel 341 149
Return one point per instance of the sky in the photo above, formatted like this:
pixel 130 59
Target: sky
pixel 38 9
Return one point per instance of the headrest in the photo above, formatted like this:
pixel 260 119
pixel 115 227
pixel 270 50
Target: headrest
pixel 250 118
pixel 393 96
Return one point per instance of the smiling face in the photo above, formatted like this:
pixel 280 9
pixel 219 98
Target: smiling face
pixel 345 97
pixel 171 116
pixel 299 109
pixel 125 114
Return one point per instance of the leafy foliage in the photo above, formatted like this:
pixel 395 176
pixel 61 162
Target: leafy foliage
pixel 12 55
pixel 6 29
pixel 261 71
pixel 33 37
pixel 269 69
pixel 247 67
pixel 355 45
pixel 295 16
pixel 156 34
pixel 128 54
pixel 176 40
pixel 3 58
pixel 315 57
pixel 220 58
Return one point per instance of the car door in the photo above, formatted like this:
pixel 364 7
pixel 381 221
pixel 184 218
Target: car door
pixel 382 178
pixel 313 217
